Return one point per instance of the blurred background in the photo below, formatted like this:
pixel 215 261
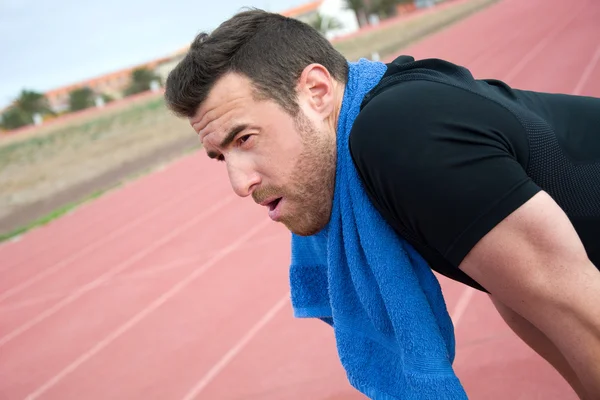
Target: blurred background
pixel 81 88
pixel 129 270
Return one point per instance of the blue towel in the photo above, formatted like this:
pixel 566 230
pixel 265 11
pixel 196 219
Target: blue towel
pixel 394 336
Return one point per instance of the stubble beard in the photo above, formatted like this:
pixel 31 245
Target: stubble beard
pixel 312 182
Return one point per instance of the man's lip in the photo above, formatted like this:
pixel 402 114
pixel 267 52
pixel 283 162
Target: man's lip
pixel 275 209
pixel 269 201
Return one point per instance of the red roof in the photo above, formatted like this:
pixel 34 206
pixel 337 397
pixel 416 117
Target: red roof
pixel 308 7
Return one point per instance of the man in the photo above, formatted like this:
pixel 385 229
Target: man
pixel 495 187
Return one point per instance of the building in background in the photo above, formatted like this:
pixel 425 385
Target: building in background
pixel 331 17
pixel 114 84
pixel 306 13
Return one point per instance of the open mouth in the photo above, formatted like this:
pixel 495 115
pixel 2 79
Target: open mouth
pixel 273 205
pixel 275 209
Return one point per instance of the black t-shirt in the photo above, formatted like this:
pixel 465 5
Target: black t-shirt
pixel 445 157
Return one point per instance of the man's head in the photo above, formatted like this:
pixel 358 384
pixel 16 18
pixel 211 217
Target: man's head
pixel 263 92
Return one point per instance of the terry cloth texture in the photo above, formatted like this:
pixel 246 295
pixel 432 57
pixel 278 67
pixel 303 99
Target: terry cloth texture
pixel 393 333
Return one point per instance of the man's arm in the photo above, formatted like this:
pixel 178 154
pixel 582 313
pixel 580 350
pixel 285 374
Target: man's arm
pixel 448 166
pixel 534 263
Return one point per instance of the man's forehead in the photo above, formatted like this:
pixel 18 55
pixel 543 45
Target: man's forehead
pixel 228 94
pixel 216 121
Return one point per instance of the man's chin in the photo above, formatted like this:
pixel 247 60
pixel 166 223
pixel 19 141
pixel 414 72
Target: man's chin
pixel 304 229
pixel 304 233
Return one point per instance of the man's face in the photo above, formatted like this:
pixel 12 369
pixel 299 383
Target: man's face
pixel 285 163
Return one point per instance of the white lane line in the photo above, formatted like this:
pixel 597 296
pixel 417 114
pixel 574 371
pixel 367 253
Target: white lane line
pixel 236 349
pixel 93 246
pixel 587 73
pixel 461 306
pixel 112 272
pixel 178 287
pixel 542 45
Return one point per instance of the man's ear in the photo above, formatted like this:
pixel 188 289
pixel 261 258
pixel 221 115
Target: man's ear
pixel 316 89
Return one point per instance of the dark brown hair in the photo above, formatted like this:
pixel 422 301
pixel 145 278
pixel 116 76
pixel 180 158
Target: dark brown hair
pixel 270 49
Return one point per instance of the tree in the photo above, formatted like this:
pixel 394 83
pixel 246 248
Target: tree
pixel 32 102
pixel 24 108
pixel 384 8
pixel 387 8
pixel 107 98
pixel 14 118
pixel 360 10
pixel 80 99
pixel 141 79
pixel 324 23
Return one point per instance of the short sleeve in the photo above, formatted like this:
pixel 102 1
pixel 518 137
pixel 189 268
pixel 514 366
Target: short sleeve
pixel 442 163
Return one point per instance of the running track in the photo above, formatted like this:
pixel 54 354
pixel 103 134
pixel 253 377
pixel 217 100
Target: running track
pixel 172 288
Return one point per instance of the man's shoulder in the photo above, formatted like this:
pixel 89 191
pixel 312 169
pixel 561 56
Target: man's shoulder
pixel 400 100
pixel 416 111
pixel 403 131
pixel 409 115
pixel 411 93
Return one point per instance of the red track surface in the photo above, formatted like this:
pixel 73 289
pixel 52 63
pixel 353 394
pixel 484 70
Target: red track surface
pixel 171 288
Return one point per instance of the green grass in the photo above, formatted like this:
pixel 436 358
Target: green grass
pixel 78 134
pixel 59 212
pixel 60 148
pixel 50 216
pixel 390 39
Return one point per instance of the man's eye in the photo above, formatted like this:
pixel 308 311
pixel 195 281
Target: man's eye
pixel 243 139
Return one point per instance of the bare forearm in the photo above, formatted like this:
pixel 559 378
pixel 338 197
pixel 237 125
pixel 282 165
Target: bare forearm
pixel 542 345
pixel 580 345
pixel 535 264
pixel 572 322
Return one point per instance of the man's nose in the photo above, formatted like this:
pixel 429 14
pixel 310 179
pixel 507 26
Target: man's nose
pixel 243 180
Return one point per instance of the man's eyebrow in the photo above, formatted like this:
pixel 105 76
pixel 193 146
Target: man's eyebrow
pixel 232 134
